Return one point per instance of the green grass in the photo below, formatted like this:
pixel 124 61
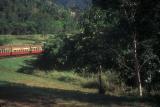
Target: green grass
pixel 12 64
pixel 53 89
pixel 63 76
pixel 24 39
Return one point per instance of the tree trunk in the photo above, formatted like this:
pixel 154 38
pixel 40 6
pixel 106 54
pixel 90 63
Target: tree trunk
pixel 137 70
pixel 101 87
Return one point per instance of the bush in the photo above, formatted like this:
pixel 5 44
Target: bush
pixel 110 83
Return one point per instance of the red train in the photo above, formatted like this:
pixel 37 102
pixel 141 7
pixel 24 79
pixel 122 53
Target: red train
pixel 15 50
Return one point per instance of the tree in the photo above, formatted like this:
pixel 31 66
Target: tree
pixel 138 27
pixel 33 16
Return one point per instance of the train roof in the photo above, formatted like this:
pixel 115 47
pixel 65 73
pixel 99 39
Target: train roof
pixel 20 46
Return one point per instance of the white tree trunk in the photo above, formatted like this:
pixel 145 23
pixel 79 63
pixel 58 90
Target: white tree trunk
pixel 137 70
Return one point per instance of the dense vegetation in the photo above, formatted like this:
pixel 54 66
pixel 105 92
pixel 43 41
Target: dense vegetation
pixel 121 37
pixel 34 17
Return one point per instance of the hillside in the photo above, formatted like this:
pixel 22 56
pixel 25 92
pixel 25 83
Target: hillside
pixel 34 17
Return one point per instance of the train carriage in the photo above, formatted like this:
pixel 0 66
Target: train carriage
pixel 5 50
pixel 20 50
pixel 36 49
pixel 15 50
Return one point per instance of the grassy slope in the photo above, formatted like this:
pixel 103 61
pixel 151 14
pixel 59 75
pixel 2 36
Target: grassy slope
pixel 18 89
pixel 9 66
pixel 24 39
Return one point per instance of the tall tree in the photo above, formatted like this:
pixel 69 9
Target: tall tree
pixel 139 22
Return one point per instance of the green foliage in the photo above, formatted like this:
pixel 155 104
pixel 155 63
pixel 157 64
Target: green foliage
pixel 53 56
pixel 110 83
pixel 34 17
pixel 107 40
pixel 146 25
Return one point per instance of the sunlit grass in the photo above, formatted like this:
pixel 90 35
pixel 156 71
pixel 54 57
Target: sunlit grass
pixel 25 39
pixel 10 66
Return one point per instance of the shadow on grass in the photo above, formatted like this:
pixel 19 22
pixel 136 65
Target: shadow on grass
pixel 39 96
pixel 28 67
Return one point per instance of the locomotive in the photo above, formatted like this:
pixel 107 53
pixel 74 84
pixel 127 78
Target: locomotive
pixel 15 50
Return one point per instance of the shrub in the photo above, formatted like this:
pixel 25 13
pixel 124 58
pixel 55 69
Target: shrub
pixel 110 83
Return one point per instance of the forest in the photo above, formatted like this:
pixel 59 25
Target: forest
pixel 34 17
pixel 112 44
